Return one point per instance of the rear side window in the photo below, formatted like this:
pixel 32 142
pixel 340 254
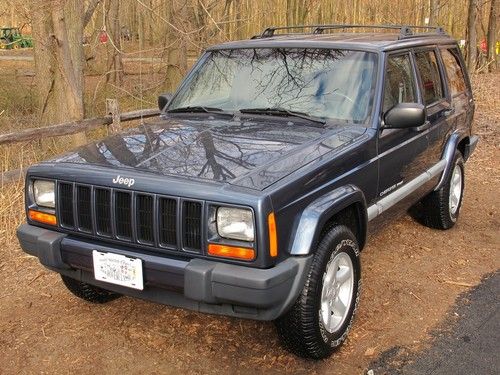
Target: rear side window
pixel 399 82
pixel 431 79
pixel 453 70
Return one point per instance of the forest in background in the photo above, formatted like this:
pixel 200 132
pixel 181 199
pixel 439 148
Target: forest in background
pixel 133 50
pixel 198 23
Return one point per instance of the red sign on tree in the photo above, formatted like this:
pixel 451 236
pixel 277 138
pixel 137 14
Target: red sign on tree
pixel 483 45
pixel 103 36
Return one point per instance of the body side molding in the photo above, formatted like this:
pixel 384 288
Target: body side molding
pixel 390 200
pixel 319 211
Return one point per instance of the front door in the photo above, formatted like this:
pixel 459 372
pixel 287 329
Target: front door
pixel 402 152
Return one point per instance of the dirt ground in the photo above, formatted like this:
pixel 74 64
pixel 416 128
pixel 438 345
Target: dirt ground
pixel 411 278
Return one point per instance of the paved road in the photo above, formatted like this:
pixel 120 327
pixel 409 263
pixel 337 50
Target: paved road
pixel 471 347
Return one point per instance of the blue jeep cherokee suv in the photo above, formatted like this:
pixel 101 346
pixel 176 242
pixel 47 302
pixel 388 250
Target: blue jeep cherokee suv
pixel 253 192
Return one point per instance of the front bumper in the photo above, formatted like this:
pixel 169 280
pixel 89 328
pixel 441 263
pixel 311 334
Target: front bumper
pixel 196 284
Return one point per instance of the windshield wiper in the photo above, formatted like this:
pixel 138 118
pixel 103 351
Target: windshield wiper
pixel 283 112
pixel 194 109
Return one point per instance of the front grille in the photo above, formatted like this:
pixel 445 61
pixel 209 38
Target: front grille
pixel 168 222
pixel 84 208
pixel 192 225
pixel 103 211
pixel 123 211
pixel 66 205
pixel 145 213
pixel 127 216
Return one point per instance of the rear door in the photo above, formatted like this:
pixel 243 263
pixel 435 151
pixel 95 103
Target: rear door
pixel 436 100
pixel 458 93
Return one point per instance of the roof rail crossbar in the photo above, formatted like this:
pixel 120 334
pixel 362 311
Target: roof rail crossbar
pixel 269 32
pixel 405 31
pixel 320 29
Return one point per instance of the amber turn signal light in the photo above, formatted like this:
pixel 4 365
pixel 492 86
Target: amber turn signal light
pixel 42 217
pixel 235 252
pixel 273 239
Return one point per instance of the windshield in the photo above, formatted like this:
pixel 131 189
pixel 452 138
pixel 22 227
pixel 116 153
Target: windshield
pixel 325 83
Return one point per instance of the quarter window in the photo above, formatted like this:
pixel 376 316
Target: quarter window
pixel 429 73
pixel 453 70
pixel 399 82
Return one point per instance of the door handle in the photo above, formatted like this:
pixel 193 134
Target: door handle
pixel 449 112
pixel 426 125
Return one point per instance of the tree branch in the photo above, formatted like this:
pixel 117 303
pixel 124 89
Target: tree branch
pixel 90 11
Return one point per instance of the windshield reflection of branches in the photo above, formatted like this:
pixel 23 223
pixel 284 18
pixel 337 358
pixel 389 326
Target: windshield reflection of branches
pixel 328 83
pixel 224 152
pixel 302 68
pixel 214 76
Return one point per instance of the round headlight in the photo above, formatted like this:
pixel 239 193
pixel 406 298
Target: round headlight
pixel 235 223
pixel 43 192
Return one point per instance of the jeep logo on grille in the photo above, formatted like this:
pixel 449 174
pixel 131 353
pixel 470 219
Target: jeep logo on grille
pixel 123 181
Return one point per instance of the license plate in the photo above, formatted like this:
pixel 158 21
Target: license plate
pixel 118 269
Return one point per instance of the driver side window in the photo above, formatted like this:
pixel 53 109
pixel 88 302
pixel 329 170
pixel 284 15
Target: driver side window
pixel 399 82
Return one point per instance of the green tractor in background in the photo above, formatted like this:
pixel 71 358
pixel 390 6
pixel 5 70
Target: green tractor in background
pixel 11 38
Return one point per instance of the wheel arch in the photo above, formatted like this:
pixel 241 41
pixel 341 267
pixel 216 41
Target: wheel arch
pixel 345 205
pixel 457 141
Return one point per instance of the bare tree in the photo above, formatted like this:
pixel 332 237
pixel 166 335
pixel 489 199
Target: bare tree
pixel 472 35
pixel 115 63
pixel 492 33
pixel 58 33
pixel 434 12
pixel 89 12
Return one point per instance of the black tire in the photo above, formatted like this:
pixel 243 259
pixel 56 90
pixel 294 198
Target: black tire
pixel 437 212
pixel 88 292
pixel 301 329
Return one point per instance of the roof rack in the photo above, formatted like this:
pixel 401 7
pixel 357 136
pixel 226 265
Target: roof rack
pixel 405 31
pixel 269 32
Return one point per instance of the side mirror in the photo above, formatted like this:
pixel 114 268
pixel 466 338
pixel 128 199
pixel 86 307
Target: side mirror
pixel 163 100
pixel 405 115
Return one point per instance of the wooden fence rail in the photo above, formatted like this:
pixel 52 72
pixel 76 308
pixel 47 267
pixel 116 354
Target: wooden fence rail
pixel 67 128
pixel 72 127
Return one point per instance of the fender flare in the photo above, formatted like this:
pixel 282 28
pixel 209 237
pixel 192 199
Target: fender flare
pixel 317 213
pixel 449 153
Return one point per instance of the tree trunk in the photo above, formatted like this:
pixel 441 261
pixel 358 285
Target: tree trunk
pixel 115 63
pixel 58 33
pixel 89 12
pixel 434 12
pixel 492 32
pixel 289 12
pixel 472 36
pixel 141 28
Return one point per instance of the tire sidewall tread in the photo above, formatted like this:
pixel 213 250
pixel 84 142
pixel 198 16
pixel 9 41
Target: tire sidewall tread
pixel 436 213
pixel 301 328
pixel 87 292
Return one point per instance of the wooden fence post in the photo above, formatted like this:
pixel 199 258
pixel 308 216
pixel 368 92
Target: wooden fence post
pixel 113 109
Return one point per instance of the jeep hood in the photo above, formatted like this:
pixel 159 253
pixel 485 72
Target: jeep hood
pixel 249 153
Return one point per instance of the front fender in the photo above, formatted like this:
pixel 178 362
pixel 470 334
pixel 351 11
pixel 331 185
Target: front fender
pixel 317 214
